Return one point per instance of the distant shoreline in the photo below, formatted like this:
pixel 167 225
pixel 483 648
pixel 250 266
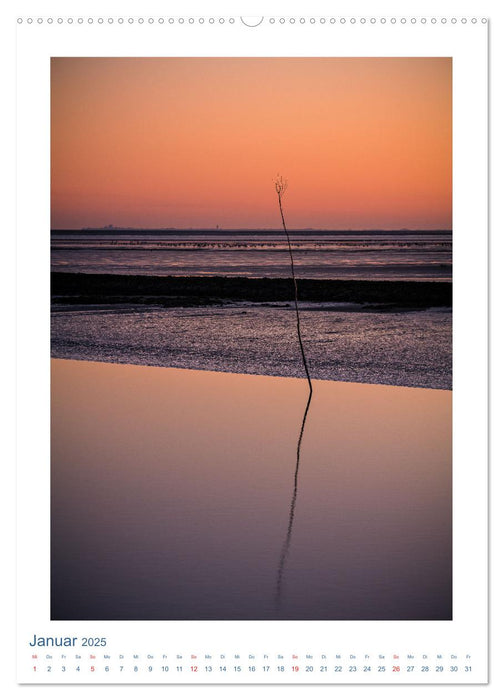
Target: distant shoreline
pixel 225 231
pixel 172 291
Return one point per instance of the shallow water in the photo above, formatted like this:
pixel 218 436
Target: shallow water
pixel 174 492
pixel 411 348
pixel 318 254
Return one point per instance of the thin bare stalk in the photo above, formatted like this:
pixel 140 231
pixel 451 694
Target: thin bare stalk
pixel 280 187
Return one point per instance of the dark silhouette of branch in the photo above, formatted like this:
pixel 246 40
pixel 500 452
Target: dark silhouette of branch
pixel 280 188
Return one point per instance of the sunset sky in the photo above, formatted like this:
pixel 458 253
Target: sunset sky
pixel 196 142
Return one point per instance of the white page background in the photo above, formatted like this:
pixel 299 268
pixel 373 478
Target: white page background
pixel 191 8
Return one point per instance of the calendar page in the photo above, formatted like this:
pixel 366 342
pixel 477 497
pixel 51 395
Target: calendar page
pixel 252 321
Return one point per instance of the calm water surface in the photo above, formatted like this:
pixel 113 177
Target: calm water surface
pixel 175 496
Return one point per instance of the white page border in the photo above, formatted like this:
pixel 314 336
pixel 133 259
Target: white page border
pixel 467 44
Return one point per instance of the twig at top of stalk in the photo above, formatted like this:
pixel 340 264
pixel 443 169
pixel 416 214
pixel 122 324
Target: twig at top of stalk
pixel 280 188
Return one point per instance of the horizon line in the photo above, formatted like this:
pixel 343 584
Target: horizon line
pixel 247 229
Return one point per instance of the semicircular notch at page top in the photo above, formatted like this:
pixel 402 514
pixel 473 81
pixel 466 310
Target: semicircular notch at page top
pixel 251 21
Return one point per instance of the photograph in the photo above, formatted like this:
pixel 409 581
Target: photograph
pixel 251 338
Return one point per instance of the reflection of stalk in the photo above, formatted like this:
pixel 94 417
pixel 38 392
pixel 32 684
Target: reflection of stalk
pixel 280 187
pixel 286 544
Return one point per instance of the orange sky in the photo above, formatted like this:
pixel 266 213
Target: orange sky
pixel 196 142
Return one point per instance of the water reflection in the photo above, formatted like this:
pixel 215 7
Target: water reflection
pixel 170 491
pixel 286 545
